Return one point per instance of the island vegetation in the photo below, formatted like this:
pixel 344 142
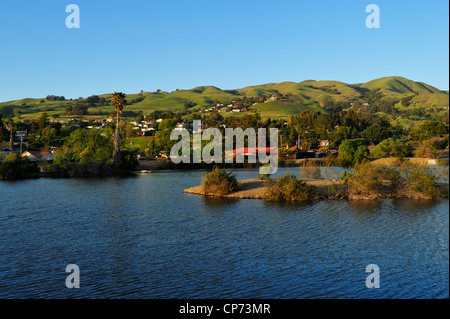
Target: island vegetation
pixel 219 182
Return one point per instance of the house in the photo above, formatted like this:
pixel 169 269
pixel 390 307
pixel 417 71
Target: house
pixel 246 151
pixel 6 151
pixel 147 131
pixel 324 143
pixel 179 127
pixel 38 156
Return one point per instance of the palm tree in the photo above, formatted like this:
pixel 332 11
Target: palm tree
pixel 9 124
pixel 118 101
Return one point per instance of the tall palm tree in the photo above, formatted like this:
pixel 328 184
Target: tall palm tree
pixel 118 101
pixel 9 124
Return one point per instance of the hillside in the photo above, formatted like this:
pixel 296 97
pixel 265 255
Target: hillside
pixel 399 84
pixel 306 95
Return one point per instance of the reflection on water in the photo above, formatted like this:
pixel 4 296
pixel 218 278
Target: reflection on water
pixel 143 237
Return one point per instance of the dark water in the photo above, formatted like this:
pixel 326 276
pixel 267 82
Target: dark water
pixel 143 238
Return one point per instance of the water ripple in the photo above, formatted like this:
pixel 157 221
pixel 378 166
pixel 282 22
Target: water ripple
pixel 143 238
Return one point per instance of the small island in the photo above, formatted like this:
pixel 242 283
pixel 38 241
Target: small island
pixel 256 188
pixel 363 182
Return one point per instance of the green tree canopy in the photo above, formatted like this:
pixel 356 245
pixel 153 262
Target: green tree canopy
pixel 432 128
pixel 377 133
pixel 391 148
pixel 86 145
pixel 352 152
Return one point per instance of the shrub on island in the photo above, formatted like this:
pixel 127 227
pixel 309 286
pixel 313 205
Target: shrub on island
pixel 219 182
pixel 310 170
pixel 289 189
pixel 367 181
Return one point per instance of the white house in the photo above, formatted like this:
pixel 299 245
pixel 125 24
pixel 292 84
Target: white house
pixel 38 156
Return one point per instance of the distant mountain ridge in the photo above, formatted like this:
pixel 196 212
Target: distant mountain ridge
pixel 305 95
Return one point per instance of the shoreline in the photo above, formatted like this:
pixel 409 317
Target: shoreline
pixel 254 188
pixel 154 165
pixel 326 189
pixel 150 166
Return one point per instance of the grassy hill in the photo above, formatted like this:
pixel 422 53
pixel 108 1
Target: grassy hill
pixel 281 109
pixel 306 95
pixel 399 84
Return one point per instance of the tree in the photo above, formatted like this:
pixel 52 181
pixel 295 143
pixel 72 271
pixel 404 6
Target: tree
pixel 80 108
pixel 342 133
pixel 118 101
pixel 325 101
pixel 361 153
pixel 377 133
pixel 167 124
pixel 351 119
pixel 352 152
pixel 189 104
pixel 432 128
pixel 15 167
pixel 10 126
pixel 92 100
pixel 151 150
pixel 391 148
pixel 43 121
pixel 85 145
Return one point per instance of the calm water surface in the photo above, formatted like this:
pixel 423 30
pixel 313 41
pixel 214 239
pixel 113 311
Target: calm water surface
pixel 142 237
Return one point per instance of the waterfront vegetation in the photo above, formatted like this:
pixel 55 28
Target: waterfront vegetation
pixel 363 181
pixel 84 153
pixel 219 182
pixel 15 167
pixel 310 170
pixel 404 181
pixel 289 189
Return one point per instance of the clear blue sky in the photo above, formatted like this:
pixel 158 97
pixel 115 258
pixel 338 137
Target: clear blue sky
pixel 147 45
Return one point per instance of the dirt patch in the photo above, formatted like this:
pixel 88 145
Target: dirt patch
pixel 254 188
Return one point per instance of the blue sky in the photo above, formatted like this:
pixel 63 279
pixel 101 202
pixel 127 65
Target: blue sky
pixel 180 44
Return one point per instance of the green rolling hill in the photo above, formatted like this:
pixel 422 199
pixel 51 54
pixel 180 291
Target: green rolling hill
pixel 397 84
pixel 306 95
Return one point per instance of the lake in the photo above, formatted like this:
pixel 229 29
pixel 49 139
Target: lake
pixel 142 237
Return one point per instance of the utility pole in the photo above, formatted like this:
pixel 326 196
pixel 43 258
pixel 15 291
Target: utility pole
pixel 21 134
